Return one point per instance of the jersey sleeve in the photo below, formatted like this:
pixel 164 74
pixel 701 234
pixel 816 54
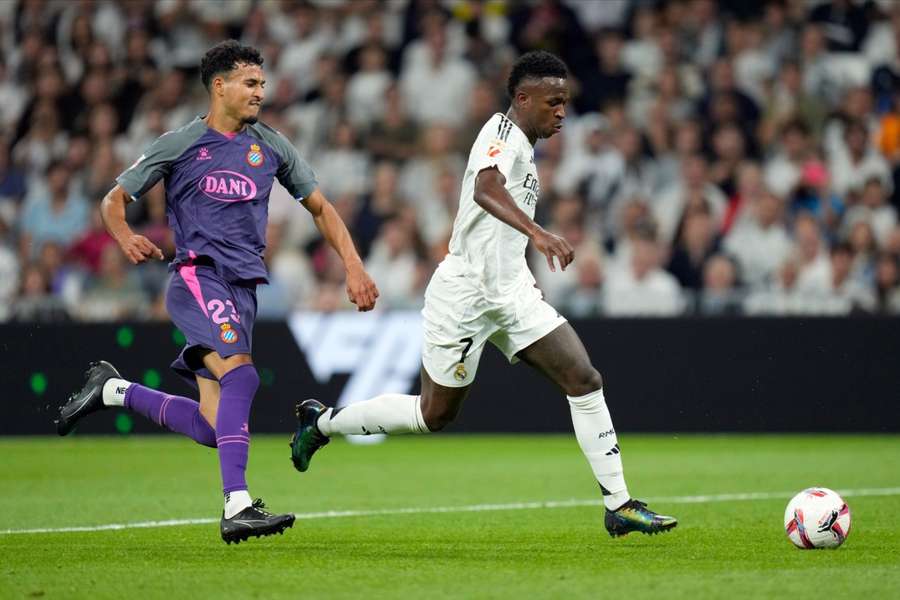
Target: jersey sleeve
pixel 295 174
pixel 494 147
pixel 154 164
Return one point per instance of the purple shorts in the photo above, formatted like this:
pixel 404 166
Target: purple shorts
pixel 212 313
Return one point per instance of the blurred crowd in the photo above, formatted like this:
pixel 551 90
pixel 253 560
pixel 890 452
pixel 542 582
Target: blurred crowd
pixel 718 158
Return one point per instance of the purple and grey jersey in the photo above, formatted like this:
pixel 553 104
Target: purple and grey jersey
pixel 217 191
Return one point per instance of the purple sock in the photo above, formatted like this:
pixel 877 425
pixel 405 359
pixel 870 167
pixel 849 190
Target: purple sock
pixel 232 432
pixel 172 412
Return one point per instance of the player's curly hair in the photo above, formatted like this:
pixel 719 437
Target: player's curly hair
pixel 534 64
pixel 226 56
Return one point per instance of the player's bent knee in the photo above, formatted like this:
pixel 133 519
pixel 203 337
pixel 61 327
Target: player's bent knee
pixel 582 381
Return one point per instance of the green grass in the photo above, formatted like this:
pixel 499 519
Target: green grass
pixel 732 549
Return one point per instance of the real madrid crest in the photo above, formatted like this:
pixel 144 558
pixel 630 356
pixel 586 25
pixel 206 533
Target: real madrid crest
pixel 227 334
pixel 255 156
pixel 460 374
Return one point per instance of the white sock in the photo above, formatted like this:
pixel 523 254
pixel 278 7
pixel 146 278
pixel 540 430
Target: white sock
pixel 114 391
pixel 387 413
pixel 597 438
pixel 236 501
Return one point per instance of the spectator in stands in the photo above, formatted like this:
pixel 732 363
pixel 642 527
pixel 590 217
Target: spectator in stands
pixel 760 243
pixel 857 162
pixel 394 263
pixel 668 206
pixel 861 238
pixel 694 245
pixel 814 272
pixel 57 214
pixel 9 271
pixel 13 186
pixel 434 82
pixel 873 207
pixel 35 302
pixel 778 297
pixel 396 135
pixel 367 87
pixel 642 288
pixel 342 168
pixel 115 293
pixel 720 295
pixel 846 294
pixel 887 284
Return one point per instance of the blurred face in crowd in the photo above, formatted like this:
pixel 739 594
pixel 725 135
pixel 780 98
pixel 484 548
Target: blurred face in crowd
pixel 697 231
pixel 687 138
pixel 241 92
pixel 811 41
pixel 787 276
pixel 858 102
pixel 645 255
pixel 728 143
pixel 841 263
pixel 856 139
pixel 58 181
pixel 862 238
pixel 541 104
pixel 794 142
pixel 806 233
pixel 396 236
pixel 719 274
pixel 768 209
pixel 34 283
pixel 590 271
pixel 887 274
pixel 873 194
pixel 892 244
pixel 628 141
pixel 112 263
pixel 750 180
pixel 384 181
pixel 694 171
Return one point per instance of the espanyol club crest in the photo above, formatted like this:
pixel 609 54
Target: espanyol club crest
pixel 228 335
pixel 255 156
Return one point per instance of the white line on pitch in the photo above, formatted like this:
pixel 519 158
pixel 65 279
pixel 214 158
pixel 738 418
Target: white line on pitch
pixel 334 514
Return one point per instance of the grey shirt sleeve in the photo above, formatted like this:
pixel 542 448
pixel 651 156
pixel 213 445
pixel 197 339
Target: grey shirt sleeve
pixel 156 162
pixel 293 173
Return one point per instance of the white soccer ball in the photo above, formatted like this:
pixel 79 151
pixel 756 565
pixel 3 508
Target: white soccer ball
pixel 817 518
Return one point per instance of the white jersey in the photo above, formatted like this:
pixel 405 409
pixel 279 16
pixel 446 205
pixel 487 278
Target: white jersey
pixel 483 247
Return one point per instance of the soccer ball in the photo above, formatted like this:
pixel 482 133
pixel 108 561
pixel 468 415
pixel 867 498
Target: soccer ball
pixel 817 518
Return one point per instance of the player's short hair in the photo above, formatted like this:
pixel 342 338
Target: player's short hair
pixel 226 56
pixel 534 65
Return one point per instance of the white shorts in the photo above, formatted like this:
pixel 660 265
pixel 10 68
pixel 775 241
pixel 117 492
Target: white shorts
pixel 458 320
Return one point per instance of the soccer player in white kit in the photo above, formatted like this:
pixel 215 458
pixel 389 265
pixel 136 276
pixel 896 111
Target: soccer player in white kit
pixel 483 291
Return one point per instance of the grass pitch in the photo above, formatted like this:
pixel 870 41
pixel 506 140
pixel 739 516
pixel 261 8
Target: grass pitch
pixel 493 535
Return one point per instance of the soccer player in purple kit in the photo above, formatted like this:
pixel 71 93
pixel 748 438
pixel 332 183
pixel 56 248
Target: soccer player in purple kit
pixel 218 172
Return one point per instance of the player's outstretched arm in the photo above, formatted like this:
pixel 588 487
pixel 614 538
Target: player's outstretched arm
pixel 491 195
pixel 136 247
pixel 360 288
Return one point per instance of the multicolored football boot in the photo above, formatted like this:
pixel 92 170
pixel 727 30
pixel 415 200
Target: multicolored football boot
pixel 635 516
pixel 307 439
